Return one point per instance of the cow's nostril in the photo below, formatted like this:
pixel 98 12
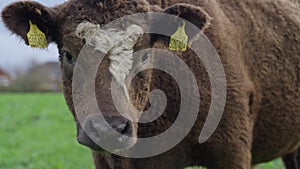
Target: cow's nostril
pixel 120 126
pixel 113 133
pixel 94 125
pixel 126 129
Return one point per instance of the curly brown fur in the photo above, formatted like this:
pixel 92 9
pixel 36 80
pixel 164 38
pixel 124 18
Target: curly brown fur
pixel 258 44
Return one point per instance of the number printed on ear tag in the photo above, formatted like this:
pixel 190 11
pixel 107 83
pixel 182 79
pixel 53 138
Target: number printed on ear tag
pixel 36 38
pixel 179 40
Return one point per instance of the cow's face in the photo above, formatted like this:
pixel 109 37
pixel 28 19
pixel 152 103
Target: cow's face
pixel 67 26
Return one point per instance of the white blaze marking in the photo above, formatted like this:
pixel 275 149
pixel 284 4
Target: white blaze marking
pixel 118 44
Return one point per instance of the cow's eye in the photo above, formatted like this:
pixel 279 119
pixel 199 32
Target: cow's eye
pixel 69 58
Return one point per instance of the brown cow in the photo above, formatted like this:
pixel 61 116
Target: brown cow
pixel 258 44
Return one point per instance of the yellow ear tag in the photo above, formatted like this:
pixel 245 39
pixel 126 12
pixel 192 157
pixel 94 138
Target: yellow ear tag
pixel 179 40
pixel 36 38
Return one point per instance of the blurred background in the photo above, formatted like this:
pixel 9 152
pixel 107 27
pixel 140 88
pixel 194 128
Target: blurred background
pixel 37 131
pixel 23 68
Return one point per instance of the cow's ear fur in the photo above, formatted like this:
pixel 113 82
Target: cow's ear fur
pixel 193 14
pixel 16 17
pixel 92 2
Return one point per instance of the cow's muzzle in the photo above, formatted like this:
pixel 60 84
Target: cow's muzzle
pixel 113 134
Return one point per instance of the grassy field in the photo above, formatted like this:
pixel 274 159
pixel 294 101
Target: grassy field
pixel 38 132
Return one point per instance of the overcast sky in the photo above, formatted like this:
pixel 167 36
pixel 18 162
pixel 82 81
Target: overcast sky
pixel 15 55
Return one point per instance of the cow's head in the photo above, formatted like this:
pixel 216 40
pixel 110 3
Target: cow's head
pixel 65 25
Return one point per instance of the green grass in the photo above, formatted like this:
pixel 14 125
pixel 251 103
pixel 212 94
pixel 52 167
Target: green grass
pixel 38 132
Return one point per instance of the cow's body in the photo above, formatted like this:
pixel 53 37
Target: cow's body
pixel 258 43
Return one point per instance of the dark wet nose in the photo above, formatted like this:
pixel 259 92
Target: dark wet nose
pixel 96 131
pixel 114 123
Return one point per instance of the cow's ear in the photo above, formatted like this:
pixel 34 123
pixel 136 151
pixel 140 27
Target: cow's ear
pixel 178 15
pixel 195 15
pixel 17 17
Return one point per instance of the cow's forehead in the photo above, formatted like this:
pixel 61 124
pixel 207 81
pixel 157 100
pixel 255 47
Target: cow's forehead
pixel 74 12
